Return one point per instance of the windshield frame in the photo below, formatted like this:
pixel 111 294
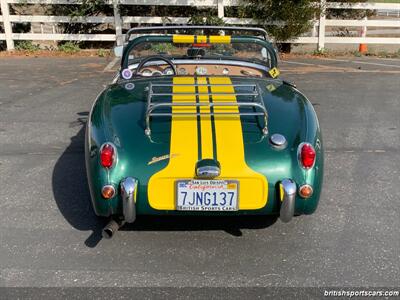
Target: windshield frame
pixel 271 63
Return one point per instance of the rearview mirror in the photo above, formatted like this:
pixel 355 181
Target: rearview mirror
pixel 118 51
pixel 264 53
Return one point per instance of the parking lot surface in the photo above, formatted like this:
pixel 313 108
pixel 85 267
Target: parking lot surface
pixel 49 235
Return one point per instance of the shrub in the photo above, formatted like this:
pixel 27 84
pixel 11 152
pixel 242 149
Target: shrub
pixel 321 52
pixel 103 52
pixel 26 46
pixel 69 47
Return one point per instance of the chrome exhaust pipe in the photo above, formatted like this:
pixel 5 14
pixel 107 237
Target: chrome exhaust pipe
pixel 111 228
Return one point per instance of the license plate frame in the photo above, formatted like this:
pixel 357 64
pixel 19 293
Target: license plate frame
pixel 215 181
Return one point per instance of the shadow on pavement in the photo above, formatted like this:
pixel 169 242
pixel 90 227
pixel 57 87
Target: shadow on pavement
pixel 72 196
pixel 70 187
pixel 230 224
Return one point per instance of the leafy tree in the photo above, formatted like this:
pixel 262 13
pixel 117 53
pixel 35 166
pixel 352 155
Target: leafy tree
pixel 344 13
pixel 86 8
pixel 290 18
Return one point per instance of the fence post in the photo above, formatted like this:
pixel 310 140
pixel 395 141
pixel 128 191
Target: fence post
pixel 7 25
pixel 118 24
pixel 321 26
pixel 221 12
pixel 314 30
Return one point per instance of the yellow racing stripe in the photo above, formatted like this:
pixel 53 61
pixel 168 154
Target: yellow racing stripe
pixel 205 120
pixel 220 39
pixel 201 39
pixel 183 148
pixel 253 186
pixel 179 39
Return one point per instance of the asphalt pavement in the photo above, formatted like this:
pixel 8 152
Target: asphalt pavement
pixel 49 235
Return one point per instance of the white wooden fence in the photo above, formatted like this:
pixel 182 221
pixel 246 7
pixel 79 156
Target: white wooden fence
pixel 318 37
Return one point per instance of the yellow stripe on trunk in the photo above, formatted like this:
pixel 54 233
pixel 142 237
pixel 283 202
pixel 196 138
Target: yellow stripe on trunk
pixel 253 186
pixel 183 149
pixel 205 121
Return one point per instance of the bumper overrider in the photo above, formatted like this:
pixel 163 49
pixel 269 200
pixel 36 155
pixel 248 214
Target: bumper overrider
pixel 129 188
pixel 288 198
pixel 128 195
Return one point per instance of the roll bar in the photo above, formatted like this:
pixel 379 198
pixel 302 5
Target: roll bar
pixel 137 30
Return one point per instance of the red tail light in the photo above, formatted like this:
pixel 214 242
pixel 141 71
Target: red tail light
pixel 307 155
pixel 107 155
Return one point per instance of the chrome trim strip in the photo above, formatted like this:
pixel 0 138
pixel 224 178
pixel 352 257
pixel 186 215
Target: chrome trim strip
pixel 129 187
pixel 288 201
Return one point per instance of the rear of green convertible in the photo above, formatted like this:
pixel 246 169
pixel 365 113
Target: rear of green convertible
pixel 227 138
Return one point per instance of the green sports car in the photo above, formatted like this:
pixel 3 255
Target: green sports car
pixel 201 124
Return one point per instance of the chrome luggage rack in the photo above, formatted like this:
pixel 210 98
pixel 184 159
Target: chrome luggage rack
pixel 253 94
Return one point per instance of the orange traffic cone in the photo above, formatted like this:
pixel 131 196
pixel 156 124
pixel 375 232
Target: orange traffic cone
pixel 362 48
